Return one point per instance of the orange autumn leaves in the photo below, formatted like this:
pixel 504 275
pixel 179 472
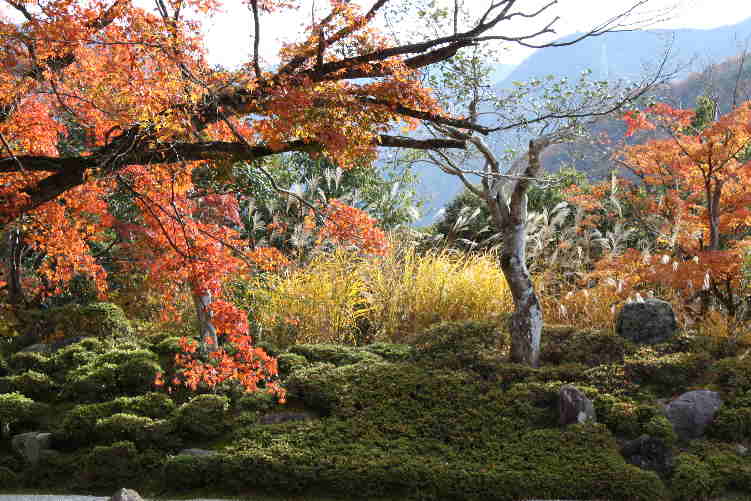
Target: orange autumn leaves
pixel 694 202
pixel 76 77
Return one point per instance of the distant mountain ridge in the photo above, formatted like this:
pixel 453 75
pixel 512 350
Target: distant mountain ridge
pixel 622 54
pixel 611 56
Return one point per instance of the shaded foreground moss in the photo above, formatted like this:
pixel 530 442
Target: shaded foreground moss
pixel 395 421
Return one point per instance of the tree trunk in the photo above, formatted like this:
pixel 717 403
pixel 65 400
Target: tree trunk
pixel 526 321
pixel 206 329
pixel 714 220
pixel 15 290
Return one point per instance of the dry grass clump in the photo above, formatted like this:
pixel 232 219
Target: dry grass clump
pixel 408 292
pixel 345 298
pixel 319 303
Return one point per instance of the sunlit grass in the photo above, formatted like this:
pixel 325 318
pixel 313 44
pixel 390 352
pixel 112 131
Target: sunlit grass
pixel 409 291
pixel 345 298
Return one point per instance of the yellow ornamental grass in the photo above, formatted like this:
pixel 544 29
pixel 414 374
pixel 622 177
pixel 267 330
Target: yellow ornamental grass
pixel 410 292
pixel 320 303
pixel 330 299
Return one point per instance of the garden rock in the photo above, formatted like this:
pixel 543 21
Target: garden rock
pixel 649 322
pixel 197 452
pixel 31 445
pixel 62 343
pixel 574 406
pixel 37 348
pixel 691 412
pixel 126 495
pixel 649 453
pixel 283 417
pixel 52 347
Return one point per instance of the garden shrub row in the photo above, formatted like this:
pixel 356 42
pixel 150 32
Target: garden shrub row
pixel 447 417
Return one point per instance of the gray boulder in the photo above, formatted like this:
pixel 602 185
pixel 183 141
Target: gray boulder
pixel 125 495
pixel 691 412
pixel 37 348
pixel 31 445
pixel 649 322
pixel 649 453
pixel 574 406
pixel 197 452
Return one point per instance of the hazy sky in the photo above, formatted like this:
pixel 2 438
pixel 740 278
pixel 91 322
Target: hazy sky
pixel 228 35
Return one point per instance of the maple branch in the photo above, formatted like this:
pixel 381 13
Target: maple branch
pixel 426 115
pixel 55 63
pixel 148 206
pixel 10 152
pixel 70 172
pixel 208 150
pixel 298 61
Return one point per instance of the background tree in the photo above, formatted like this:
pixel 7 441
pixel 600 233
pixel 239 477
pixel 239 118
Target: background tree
pixel 551 113
pixel 694 200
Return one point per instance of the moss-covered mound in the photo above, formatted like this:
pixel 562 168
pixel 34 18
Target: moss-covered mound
pixel 447 417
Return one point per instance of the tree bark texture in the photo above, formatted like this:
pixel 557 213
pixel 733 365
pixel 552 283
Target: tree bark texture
pixel 526 321
pixel 13 267
pixel 206 329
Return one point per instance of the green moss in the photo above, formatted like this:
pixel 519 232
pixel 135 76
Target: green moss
pixel 311 385
pixel 92 382
pixel 460 345
pixel 153 405
pixel 269 347
pixel 142 431
pixel 670 374
pixel 716 469
pixel 332 353
pixel 76 428
pixel 77 354
pixel 390 352
pixel 169 346
pixel 731 424
pixel 732 376
pixel 34 384
pixel 112 466
pixel 693 479
pixel 610 379
pixel 290 362
pixel 258 401
pixel 506 373
pixel 25 361
pixel 94 319
pixel 78 425
pixel 549 463
pixel 533 403
pixel 15 407
pixel 183 472
pixel 563 344
pixel 416 431
pixel 204 416
pixel 100 320
pixel 58 471
pixel 659 427
pixel 624 416
pixel 123 426
pixel 111 374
